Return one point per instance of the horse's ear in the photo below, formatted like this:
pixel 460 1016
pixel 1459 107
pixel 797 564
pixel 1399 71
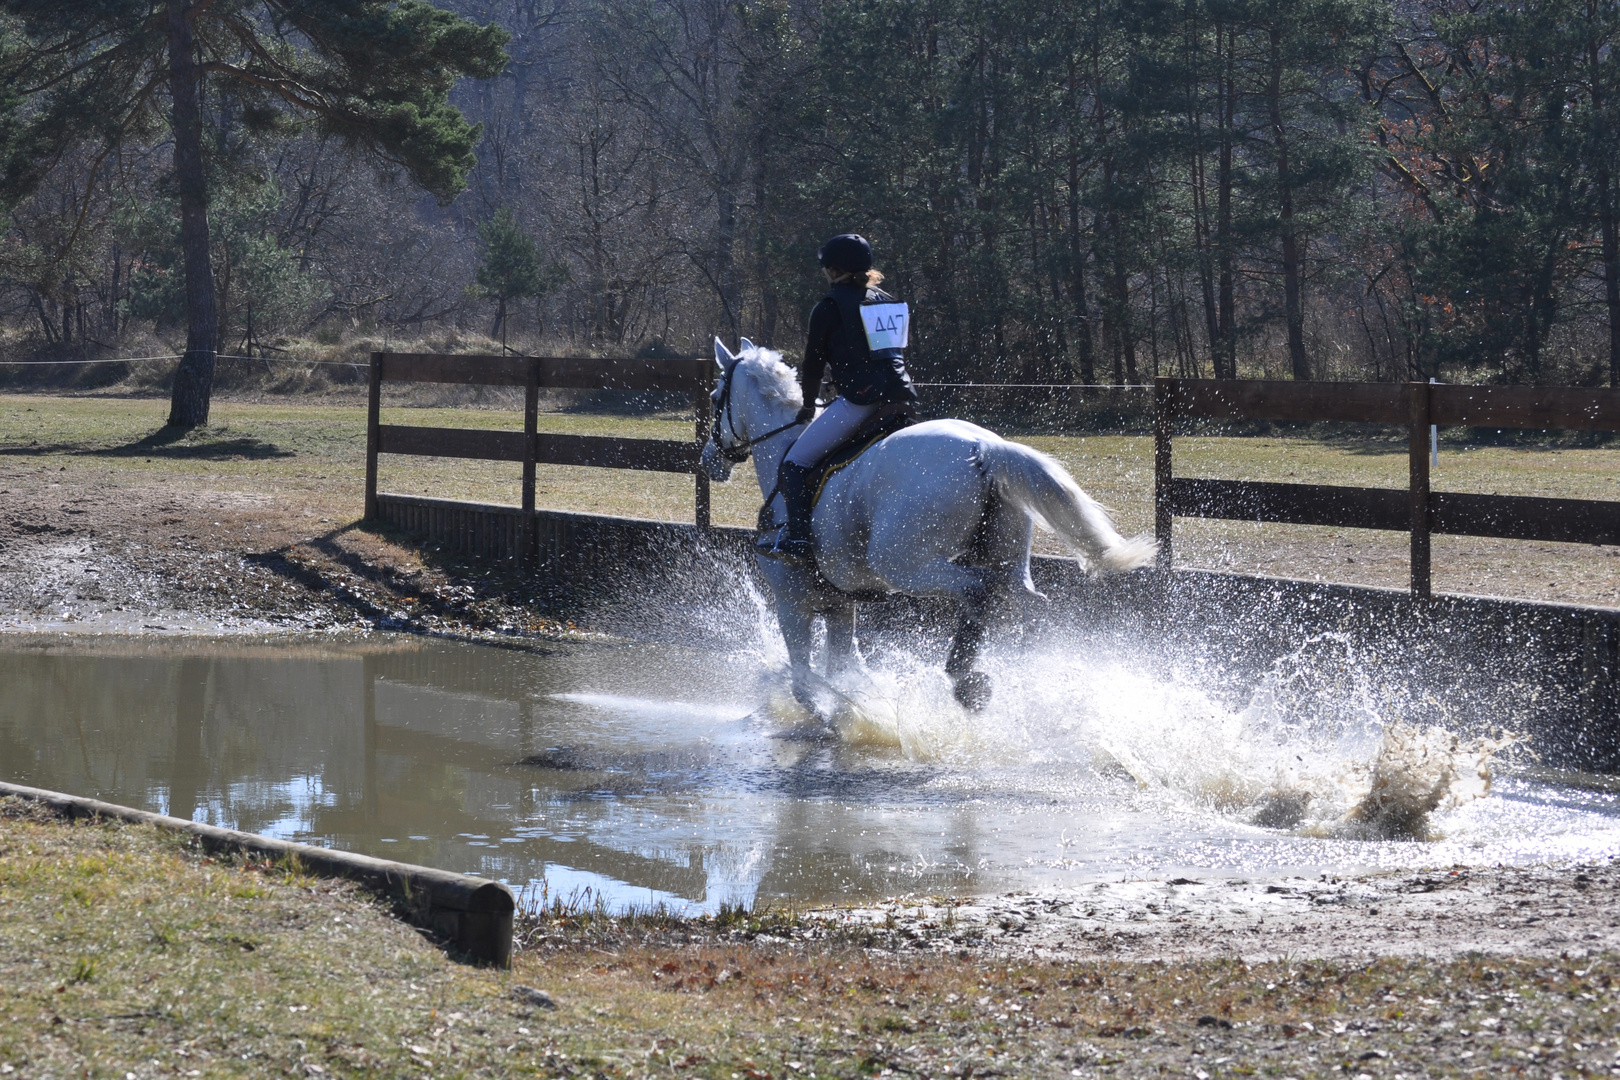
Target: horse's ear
pixel 722 355
pixel 745 345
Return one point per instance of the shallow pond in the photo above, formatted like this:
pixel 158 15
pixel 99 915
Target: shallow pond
pixel 646 774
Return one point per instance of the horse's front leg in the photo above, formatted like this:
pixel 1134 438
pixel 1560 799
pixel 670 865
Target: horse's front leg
pixel 798 625
pixel 840 637
pixel 795 617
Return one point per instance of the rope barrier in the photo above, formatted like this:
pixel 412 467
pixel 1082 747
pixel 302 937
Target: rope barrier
pixel 352 364
pixel 78 363
pixel 177 356
pixel 1035 386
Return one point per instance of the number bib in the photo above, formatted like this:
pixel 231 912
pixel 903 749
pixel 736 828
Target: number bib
pixel 888 326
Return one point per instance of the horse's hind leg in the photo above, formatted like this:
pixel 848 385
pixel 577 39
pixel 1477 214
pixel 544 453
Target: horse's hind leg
pixel 1008 536
pixel 1002 549
pixel 972 688
pixel 941 577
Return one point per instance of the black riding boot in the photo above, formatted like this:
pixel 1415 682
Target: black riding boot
pixel 793 542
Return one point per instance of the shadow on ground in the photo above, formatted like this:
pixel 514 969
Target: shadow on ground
pixel 168 443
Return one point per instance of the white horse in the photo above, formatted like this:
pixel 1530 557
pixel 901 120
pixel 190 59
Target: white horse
pixel 943 508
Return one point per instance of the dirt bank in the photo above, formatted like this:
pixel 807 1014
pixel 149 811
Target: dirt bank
pixel 1568 912
pixel 125 953
pixel 84 550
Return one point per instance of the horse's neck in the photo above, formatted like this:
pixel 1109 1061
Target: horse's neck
pixel 769 453
pixel 768 457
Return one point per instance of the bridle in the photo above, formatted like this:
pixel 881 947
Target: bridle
pixel 737 452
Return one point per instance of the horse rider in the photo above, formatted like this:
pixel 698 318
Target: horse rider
pixel 861 332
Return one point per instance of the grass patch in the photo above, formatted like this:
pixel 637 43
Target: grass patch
pixel 313 454
pixel 281 441
pixel 182 965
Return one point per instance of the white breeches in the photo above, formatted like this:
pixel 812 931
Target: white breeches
pixel 836 423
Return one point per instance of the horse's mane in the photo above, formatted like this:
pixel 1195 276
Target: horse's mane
pixel 777 382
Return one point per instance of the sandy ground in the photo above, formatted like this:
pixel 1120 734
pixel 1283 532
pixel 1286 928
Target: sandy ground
pixel 83 551
pixel 1565 912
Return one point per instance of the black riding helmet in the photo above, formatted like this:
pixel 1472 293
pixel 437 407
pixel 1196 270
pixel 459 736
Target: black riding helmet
pixel 848 252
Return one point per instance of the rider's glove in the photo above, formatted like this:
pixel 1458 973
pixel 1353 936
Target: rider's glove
pixel 806 414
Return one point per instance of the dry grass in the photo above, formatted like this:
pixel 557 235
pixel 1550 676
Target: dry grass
pixel 122 952
pixel 315 451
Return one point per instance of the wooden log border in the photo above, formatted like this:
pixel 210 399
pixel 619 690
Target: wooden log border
pixel 529 447
pixel 1419 509
pixel 475 914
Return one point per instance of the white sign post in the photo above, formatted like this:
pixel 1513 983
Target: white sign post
pixel 1434 440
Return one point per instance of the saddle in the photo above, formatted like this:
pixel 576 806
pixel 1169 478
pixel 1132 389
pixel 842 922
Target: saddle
pixel 879 426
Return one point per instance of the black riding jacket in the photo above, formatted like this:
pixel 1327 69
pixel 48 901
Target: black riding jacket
pixel 837 337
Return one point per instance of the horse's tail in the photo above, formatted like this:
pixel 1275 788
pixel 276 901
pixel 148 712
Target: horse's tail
pixel 1037 483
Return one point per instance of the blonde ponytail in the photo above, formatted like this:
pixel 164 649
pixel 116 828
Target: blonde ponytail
pixel 868 279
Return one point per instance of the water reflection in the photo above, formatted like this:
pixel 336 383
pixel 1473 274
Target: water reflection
pixel 584 767
pixel 647 774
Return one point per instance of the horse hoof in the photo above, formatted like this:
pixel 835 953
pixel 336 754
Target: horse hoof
pixel 972 689
pixel 802 694
pixel 814 733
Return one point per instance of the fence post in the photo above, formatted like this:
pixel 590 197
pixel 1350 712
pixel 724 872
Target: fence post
pixel 531 451
pixel 1418 467
pixel 701 406
pixel 373 410
pixel 1164 415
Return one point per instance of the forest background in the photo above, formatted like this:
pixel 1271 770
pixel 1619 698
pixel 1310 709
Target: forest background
pixel 1091 191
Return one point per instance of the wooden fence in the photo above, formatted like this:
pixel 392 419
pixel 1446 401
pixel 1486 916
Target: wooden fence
pixel 1418 509
pixel 529 446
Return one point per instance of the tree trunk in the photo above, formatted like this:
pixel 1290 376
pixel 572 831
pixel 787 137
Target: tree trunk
pixel 46 323
pixel 1541 310
pixel 725 242
pixel 1226 354
pixel 1206 263
pixel 112 300
pixel 1082 307
pixel 1608 221
pixel 769 302
pixel 194 380
pixel 1200 207
pixel 1077 255
pixel 1122 321
pixel 1292 299
pixel 1611 277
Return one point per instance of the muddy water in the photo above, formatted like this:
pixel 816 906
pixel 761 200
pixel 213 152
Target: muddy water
pixel 654 774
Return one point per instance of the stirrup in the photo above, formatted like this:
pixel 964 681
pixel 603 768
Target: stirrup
pixel 785 548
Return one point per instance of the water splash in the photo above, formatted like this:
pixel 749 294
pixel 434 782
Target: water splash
pixel 1417 772
pixel 909 712
pixel 1322 747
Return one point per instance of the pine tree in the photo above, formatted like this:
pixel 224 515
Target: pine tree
pixel 374 73
pixel 510 268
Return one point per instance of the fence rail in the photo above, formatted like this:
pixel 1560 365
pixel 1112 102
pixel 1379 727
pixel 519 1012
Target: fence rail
pixel 529 447
pixel 681 375
pixel 1417 509
pixel 1536 408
